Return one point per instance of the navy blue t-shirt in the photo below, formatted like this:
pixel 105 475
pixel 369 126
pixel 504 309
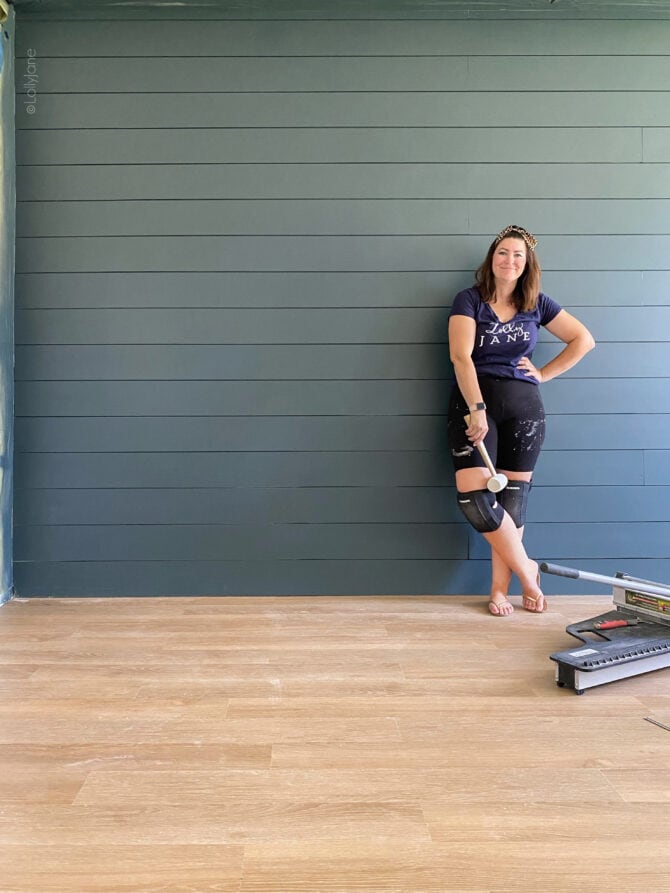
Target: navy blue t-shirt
pixel 500 345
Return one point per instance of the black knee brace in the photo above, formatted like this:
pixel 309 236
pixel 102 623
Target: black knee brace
pixel 481 509
pixel 514 499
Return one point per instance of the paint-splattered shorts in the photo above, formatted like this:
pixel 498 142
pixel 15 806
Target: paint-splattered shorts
pixel 515 414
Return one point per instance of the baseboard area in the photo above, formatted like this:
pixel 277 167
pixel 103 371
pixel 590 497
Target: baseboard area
pixel 6 596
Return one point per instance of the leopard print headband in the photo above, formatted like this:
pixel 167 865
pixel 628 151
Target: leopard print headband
pixel 514 230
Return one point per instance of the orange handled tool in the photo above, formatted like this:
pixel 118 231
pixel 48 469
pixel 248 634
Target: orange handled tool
pixel 613 624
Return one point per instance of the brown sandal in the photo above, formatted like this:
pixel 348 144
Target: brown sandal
pixel 530 598
pixel 498 605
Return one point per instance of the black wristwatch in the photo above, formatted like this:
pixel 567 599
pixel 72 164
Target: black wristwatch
pixel 476 406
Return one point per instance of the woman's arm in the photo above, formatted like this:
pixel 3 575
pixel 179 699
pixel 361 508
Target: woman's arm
pixel 462 331
pixel 578 342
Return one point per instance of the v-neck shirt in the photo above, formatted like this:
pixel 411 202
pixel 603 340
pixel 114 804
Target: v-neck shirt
pixel 500 345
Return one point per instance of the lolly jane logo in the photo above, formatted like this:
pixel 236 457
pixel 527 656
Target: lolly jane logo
pixel 504 333
pixel 31 80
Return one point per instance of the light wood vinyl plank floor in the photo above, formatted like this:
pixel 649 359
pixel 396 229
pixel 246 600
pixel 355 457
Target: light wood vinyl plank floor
pixel 300 745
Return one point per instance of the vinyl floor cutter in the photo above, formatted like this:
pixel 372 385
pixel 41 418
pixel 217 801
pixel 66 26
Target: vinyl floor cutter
pixel 633 638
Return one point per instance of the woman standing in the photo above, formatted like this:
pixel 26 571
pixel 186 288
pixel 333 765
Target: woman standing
pixel 493 329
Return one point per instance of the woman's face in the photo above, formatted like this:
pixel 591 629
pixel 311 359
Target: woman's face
pixel 509 259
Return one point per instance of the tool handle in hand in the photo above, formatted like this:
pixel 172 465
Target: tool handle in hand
pixel 483 452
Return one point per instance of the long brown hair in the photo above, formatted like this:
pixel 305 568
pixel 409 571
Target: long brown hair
pixel 527 288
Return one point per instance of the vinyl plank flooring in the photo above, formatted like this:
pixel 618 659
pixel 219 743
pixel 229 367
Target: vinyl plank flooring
pixel 163 868
pixel 512 868
pixel 338 745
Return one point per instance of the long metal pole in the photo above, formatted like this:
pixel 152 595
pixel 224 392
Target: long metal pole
pixel 646 586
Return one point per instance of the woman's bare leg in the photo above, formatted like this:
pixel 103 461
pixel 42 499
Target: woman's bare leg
pixel 508 554
pixel 501 574
pixel 505 541
pixel 501 577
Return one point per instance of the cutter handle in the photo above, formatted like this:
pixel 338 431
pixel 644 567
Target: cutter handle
pixel 559 570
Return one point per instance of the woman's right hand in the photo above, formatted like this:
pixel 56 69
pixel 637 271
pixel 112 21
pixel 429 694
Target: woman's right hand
pixel 478 427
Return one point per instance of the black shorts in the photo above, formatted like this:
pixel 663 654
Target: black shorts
pixel 515 414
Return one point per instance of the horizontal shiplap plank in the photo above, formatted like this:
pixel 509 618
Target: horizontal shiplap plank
pixel 246 398
pixel 326 289
pixel 642 360
pixel 311 253
pixel 613 430
pixel 656 144
pixel 344 181
pixel 589 467
pixel 185 578
pixel 80 579
pixel 84 505
pixel 339 217
pixel 309 469
pixel 299 361
pixel 391 504
pixel 234 362
pixel 619 541
pixel 254 542
pixel 281 253
pixel 589 108
pixel 597 505
pixel 249 433
pixel 310 145
pixel 304 326
pixel 346 325
pixel 259 289
pixel 656 467
pixel 197 542
pixel 300 469
pixel 545 217
pixel 345 38
pixel 211 74
pixel 272 469
pixel 214 505
pixel 564 432
pixel 219 217
pixel 277 74
pixel 321 398
pixel 646 395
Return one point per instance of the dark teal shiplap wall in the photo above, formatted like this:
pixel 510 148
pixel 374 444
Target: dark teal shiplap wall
pixel 237 245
